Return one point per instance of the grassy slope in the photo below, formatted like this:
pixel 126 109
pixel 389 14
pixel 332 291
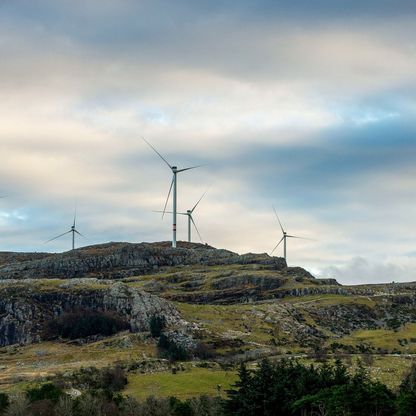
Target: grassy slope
pixel 37 361
pixel 384 338
pixel 195 381
pixel 184 384
pixel 246 321
pixel 175 279
pixel 240 321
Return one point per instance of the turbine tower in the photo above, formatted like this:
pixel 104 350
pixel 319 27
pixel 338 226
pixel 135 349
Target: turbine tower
pixel 73 230
pixel 173 185
pixel 191 221
pixel 285 237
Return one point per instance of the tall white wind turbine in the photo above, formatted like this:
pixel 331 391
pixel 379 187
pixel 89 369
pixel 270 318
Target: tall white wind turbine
pixel 285 237
pixel 191 221
pixel 73 230
pixel 173 185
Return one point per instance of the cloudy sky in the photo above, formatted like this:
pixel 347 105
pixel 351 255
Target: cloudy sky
pixel 307 106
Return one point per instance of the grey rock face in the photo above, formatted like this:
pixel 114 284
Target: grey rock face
pixel 24 312
pixel 120 260
pixel 262 282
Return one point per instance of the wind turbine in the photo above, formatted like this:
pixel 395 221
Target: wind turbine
pixel 73 230
pixel 173 185
pixel 285 237
pixel 191 221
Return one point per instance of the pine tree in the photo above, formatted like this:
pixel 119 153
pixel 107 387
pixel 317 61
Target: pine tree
pixel 241 398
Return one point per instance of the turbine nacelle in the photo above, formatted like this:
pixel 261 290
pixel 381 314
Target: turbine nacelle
pixel 173 187
pixel 72 230
pixel 285 237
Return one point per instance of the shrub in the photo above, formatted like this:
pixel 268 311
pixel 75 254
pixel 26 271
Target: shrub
pixel 84 323
pixel 88 405
pixel 207 406
pixel 64 407
pixel 157 324
pixel 367 359
pixel 204 351
pixel 181 408
pixel 131 407
pixel 42 408
pixel 4 401
pixel 153 406
pixel 169 349
pixel 18 406
pixel 114 379
pixel 48 391
pixel 92 378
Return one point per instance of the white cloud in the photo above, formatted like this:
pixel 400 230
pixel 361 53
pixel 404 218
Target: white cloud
pixel 359 270
pixel 75 103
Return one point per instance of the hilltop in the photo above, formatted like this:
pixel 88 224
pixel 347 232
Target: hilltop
pixel 195 273
pixel 120 260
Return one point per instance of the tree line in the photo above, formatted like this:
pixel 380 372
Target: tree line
pixel 282 388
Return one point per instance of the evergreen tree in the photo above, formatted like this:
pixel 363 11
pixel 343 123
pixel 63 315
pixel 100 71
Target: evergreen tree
pixel 406 401
pixel 241 398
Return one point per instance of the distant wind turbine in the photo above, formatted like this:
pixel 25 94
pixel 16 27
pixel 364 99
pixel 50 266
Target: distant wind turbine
pixel 173 185
pixel 191 221
pixel 285 237
pixel 73 230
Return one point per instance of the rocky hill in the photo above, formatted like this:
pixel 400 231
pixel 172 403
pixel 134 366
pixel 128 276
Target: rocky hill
pixel 37 287
pixel 230 302
pixel 26 309
pixel 120 260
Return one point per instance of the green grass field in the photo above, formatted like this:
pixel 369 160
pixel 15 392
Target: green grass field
pixel 189 383
pixel 384 338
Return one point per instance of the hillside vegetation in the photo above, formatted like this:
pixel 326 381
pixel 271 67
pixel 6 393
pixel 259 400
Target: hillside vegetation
pixel 94 307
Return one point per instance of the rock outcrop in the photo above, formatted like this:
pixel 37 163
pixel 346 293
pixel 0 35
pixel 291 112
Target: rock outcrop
pixel 121 260
pixel 24 310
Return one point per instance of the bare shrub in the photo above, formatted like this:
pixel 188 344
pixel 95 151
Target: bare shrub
pixel 18 406
pixel 44 407
pixel 367 359
pixel 153 406
pixel 131 407
pixel 89 406
pixel 64 407
pixel 206 406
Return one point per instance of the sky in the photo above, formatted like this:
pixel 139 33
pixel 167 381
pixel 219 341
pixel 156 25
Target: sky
pixel 305 106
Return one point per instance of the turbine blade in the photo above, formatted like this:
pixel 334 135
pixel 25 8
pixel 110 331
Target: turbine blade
pixel 196 228
pixel 192 167
pixel 75 215
pixel 75 231
pixel 157 153
pixel 277 245
pixel 278 219
pixel 302 238
pixel 167 199
pixel 170 212
pixel 199 200
pixel 60 235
